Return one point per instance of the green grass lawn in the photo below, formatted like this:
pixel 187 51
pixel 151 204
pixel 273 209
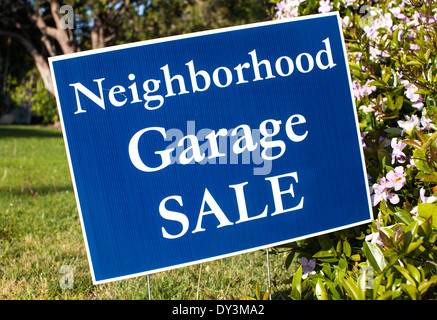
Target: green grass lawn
pixel 40 232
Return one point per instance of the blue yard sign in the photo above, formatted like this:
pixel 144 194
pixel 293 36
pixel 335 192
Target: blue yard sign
pixel 202 146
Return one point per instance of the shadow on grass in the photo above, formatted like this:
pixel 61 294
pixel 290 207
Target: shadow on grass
pixel 21 131
pixel 33 191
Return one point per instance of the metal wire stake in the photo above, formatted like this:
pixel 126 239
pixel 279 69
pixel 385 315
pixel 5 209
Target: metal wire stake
pixel 268 273
pixel 148 287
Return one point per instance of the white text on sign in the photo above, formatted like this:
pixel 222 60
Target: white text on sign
pixel 208 200
pixel 222 77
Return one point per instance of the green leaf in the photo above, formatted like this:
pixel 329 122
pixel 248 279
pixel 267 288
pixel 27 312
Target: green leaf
pixel 339 247
pixel 374 256
pixel 421 136
pixel 424 286
pixel 324 254
pixel 420 91
pixel 430 141
pixel 351 289
pixel 412 143
pixel 413 246
pixel 320 290
pixel 399 102
pixel 386 295
pixel 377 83
pixel 354 66
pixel 403 216
pixel 347 250
pixel 289 259
pixel 385 78
pixel 342 263
pixel 411 291
pixel 427 54
pixel 327 270
pixel 395 41
pixel 414 63
pixel 406 275
pixel 427 210
pixel 414 272
pixel 410 233
pixel 385 239
pixel 326 243
pixel 257 293
pixel 376 282
pixel 390 104
pixel 398 234
pixel 267 294
pixel 362 286
pixel 356 257
pixel 420 161
pixel 396 131
pixel 296 291
pixel 429 178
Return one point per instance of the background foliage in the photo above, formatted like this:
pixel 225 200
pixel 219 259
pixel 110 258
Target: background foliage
pixel 33 30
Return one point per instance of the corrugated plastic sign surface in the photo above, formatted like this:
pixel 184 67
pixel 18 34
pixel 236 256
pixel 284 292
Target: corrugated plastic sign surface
pixel 197 147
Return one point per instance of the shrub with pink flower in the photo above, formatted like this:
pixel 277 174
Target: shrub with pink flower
pixel 392 53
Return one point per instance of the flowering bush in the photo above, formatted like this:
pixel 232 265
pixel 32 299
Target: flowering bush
pixel 392 51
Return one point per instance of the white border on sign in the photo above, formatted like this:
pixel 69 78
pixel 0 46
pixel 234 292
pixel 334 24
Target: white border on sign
pixel 186 36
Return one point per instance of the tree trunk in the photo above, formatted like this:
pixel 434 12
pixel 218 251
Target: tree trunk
pixel 97 37
pixel 44 71
pixel 5 74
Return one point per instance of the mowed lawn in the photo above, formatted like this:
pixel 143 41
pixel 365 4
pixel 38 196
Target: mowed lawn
pixel 40 233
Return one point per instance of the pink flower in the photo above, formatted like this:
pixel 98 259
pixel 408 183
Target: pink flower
pixel 288 9
pixel 413 96
pixel 414 47
pixel 360 91
pixel 280 5
pixel 367 88
pixel 325 6
pixel 396 178
pixel 356 89
pixel 375 237
pixel 397 153
pixel 425 122
pixel 381 192
pixel 307 266
pixel 398 14
pixel 410 124
pixel 424 199
pixel 363 143
pixel 384 195
pixel 346 22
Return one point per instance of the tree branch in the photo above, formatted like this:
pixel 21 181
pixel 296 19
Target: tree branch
pixel 40 61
